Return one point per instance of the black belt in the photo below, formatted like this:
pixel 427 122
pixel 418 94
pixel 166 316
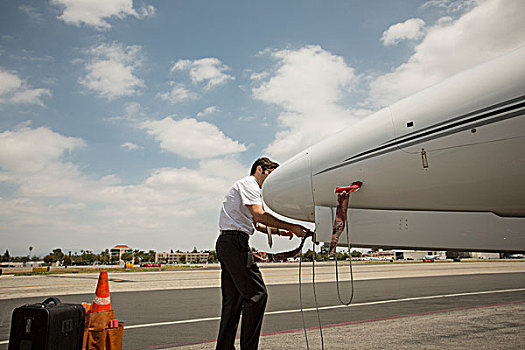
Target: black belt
pixel 234 232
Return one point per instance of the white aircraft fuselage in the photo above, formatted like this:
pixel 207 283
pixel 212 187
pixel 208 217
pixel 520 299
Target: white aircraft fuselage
pixel 441 169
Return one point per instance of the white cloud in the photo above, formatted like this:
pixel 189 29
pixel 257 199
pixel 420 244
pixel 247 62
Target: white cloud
pixel 247 118
pixel 209 71
pixel 111 70
pixel 30 96
pixel 56 195
pixel 94 13
pixel 34 159
pixel 207 111
pixel 306 78
pixel 183 180
pixel 32 13
pixel 307 84
pixel 451 46
pixel 8 82
pixel 411 29
pixel 259 76
pixel 451 6
pixel 133 113
pixel 147 11
pixel 181 65
pixel 133 109
pixel 56 200
pixel 27 150
pixel 131 146
pixel 178 93
pixel 14 90
pixel 191 138
pixel 229 167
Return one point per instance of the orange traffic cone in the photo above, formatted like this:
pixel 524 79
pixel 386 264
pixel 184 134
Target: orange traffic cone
pixel 102 301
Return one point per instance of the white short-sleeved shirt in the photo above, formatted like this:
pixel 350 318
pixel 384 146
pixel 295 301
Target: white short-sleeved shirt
pixel 234 213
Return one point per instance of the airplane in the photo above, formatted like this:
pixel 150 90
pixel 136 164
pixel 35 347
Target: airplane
pixel 443 169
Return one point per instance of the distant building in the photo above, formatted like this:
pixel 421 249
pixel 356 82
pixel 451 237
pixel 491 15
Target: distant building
pixel 117 251
pixel 379 255
pixel 442 255
pixel 178 257
pixel 17 264
pixel 420 254
pixel 195 258
pixel 472 255
pixel 484 255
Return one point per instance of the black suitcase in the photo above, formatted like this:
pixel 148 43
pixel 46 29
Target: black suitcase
pixel 50 325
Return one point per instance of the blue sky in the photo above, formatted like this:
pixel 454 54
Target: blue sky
pixel 125 122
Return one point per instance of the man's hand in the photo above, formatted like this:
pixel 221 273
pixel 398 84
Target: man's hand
pixel 298 230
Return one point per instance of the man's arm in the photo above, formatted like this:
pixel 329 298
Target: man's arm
pixel 274 231
pixel 267 219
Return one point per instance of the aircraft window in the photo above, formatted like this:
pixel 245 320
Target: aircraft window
pixel 410 124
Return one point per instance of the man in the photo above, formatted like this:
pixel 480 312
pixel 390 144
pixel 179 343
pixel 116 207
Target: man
pixel 242 285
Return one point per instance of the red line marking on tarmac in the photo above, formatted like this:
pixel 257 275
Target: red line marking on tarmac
pixel 176 345
pixel 394 317
pixel 332 325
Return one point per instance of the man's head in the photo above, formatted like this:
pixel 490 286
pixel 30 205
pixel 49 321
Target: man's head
pixel 265 164
pixel 262 168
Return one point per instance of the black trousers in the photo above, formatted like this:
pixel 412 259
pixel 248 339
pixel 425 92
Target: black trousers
pixel 243 290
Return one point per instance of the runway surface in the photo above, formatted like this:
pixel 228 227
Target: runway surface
pixel 455 305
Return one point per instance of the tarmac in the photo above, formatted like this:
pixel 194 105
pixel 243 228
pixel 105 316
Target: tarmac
pixel 65 284
pixel 486 323
pixel 480 328
pixel 487 327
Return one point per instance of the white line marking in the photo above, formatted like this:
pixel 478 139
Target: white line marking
pixel 332 307
pixel 399 300
pixel 173 322
pixel 323 308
